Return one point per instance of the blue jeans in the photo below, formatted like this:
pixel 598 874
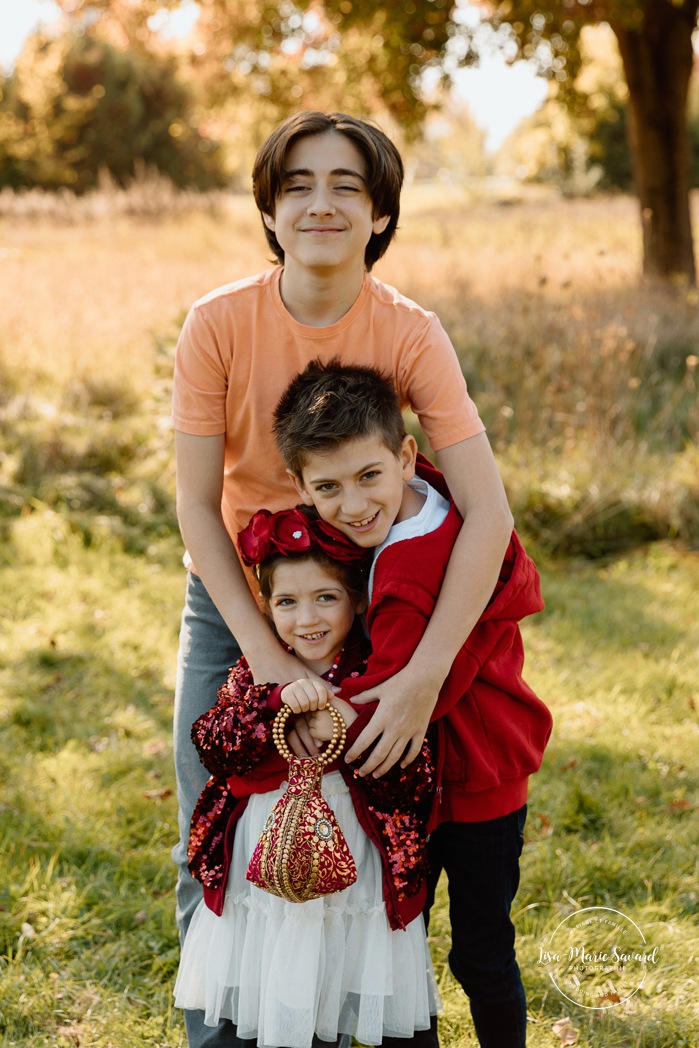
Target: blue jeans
pixel 207 650
pixel 481 861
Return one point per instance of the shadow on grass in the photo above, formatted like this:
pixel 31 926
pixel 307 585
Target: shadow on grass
pixel 65 695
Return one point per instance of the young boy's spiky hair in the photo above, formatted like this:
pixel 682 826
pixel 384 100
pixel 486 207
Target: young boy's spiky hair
pixel 329 404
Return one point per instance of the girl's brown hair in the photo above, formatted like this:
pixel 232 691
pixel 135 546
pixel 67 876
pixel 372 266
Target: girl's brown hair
pixel 353 576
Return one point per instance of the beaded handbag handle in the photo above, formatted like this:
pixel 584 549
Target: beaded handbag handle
pixel 334 747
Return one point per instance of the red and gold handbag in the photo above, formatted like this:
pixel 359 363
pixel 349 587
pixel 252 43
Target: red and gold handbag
pixel 302 853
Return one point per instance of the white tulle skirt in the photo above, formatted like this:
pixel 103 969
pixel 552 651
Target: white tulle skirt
pixel 284 971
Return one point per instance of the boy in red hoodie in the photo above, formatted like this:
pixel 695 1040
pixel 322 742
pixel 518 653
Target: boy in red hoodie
pixel 341 434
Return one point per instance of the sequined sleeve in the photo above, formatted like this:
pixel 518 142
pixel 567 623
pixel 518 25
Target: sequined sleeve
pixel 207 836
pixel 399 805
pixel 413 784
pixel 236 733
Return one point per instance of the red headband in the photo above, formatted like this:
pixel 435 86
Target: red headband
pixel 291 532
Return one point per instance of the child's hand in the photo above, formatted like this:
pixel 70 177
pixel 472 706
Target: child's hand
pixel 306 695
pixel 320 722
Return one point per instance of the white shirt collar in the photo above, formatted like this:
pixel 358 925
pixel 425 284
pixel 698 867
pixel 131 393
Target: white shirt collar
pixel 432 514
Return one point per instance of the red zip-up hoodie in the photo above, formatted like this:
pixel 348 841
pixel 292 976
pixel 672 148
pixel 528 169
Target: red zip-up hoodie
pixel 492 728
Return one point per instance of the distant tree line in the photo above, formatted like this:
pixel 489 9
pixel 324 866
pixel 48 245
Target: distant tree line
pixel 77 106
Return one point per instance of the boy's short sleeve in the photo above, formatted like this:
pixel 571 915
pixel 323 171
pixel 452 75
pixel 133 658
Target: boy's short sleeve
pixel 200 385
pixel 432 382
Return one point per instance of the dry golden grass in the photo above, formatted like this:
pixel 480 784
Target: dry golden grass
pixel 524 242
pixel 88 300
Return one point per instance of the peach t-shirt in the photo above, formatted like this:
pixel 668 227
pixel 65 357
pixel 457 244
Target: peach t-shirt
pixel 239 348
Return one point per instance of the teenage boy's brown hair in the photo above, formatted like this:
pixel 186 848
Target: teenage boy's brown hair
pixel 329 404
pixel 384 171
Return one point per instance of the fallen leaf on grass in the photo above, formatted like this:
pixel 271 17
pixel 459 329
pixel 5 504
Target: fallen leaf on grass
pixel 681 805
pixel 613 998
pixel 157 795
pixel 566 1033
pixel 545 825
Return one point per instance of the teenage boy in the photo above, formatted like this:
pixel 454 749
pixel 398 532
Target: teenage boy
pixel 328 189
pixel 340 432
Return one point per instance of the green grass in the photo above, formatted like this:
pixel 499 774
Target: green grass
pixel 87 814
pixel 87 818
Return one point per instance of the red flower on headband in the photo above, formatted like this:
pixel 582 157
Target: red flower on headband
pixel 291 532
pixel 253 541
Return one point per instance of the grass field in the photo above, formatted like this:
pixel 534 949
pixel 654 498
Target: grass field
pixel 542 303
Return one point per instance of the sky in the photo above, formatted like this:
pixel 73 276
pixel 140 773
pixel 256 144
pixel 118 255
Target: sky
pixel 499 96
pixel 17 19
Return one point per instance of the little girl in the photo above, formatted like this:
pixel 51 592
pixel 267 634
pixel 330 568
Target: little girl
pixel 353 963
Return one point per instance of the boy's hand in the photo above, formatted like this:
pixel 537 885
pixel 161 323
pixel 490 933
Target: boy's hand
pixel 306 695
pixel 399 724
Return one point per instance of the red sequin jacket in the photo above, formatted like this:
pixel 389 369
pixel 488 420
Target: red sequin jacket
pixel 491 727
pixel 234 741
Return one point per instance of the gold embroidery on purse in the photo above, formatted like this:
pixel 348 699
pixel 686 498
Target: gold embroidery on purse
pixel 302 853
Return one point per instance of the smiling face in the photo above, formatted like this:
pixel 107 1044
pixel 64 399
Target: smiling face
pixel 323 216
pixel 311 610
pixel 361 487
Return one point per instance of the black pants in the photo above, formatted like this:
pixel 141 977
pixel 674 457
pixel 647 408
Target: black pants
pixel 481 861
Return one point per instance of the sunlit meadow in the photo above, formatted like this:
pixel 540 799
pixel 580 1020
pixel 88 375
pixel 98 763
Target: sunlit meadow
pixel 588 383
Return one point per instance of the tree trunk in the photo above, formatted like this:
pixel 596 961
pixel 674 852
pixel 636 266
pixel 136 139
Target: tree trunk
pixel 657 56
